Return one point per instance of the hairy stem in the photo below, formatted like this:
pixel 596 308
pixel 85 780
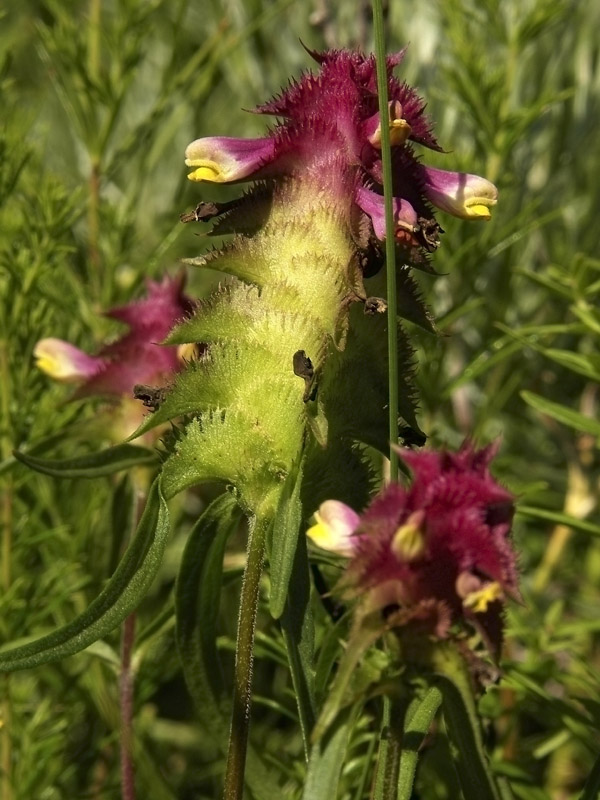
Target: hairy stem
pixel 244 660
pixel 126 679
pixel 126 676
pixel 390 252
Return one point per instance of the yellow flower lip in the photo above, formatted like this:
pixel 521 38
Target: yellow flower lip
pixel 223 159
pixel 399 128
pixel 63 362
pixel 409 540
pixel 479 208
pixel 459 193
pixel 479 600
pixel 205 171
pixel 335 522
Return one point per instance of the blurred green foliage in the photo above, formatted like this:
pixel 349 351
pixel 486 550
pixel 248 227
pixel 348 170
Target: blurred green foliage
pixel 99 100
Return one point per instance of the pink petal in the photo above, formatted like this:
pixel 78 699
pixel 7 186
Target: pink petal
pixel 222 159
pixel 460 193
pixel 64 362
pixel 405 216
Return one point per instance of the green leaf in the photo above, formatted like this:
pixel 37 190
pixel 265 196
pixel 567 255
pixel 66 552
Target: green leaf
pixel 559 518
pixel 591 790
pixel 562 414
pixel 298 628
pixel 327 759
pixel 418 719
pixel 197 600
pixel 388 756
pixel 576 362
pixel 361 638
pixel 118 599
pixel 95 465
pixel 470 759
pixel 331 648
pixel 285 530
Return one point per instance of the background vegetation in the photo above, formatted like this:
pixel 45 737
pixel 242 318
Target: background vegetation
pixel 99 100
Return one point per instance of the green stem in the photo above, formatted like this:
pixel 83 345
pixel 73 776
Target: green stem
pixel 244 659
pixel 93 31
pixel 6 785
pixel 126 689
pixel 390 252
pixel 93 58
pixel 127 676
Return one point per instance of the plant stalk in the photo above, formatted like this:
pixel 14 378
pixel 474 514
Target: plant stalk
pixel 126 679
pixel 127 676
pixel 244 660
pixel 6 753
pixel 390 251
pixel 93 216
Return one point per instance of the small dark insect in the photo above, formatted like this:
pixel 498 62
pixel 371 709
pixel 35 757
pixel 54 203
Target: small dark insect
pixel 375 305
pixel 203 211
pixel 303 368
pixel 410 437
pixel 151 396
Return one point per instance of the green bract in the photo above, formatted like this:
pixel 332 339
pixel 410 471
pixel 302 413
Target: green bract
pixel 256 404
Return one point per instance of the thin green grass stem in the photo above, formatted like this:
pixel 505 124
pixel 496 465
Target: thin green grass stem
pixel 244 659
pixel 390 253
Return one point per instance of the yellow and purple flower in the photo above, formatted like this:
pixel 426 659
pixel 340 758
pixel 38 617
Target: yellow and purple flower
pixel 135 358
pixel 435 554
pixel 331 128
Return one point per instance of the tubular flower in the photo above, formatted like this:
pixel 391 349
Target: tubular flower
pixel 134 359
pixel 436 553
pixel 335 523
pixel 466 196
pixel 64 362
pixel 221 159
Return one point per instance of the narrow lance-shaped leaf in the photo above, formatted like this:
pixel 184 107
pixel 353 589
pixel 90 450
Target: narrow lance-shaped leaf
pixel 284 543
pixel 94 465
pixel 419 716
pixel 120 597
pixel 591 790
pixel 470 760
pixel 327 760
pixel 197 600
pixel 297 624
pixel 574 419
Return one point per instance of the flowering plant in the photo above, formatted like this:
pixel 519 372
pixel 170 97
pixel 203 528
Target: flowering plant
pixel 289 392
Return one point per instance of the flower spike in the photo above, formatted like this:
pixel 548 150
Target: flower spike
pixel 329 127
pixel 437 551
